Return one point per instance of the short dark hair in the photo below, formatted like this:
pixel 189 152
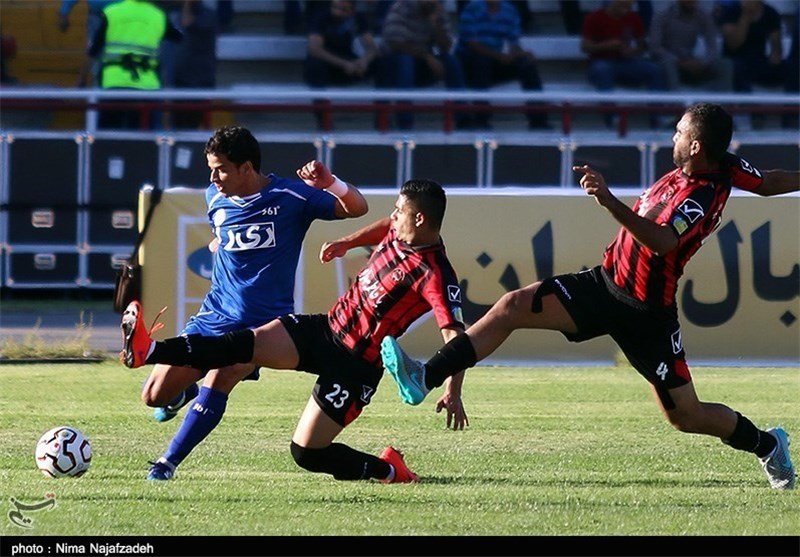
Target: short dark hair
pixel 428 197
pixel 237 144
pixel 713 127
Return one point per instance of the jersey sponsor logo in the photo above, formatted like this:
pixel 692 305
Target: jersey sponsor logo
pixel 454 293
pixel 692 210
pixel 371 286
pixel 458 315
pixel 662 371
pixel 680 225
pixel 677 342
pixel 245 237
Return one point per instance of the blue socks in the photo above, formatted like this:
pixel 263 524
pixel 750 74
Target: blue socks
pixel 203 416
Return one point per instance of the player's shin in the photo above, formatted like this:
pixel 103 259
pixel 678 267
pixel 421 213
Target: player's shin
pixel 456 355
pixel 205 352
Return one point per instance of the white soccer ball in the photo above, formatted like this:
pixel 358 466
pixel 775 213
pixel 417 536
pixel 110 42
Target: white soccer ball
pixel 63 451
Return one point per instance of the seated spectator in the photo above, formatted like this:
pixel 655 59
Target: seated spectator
pixel 490 53
pixel 675 34
pixel 332 57
pixel 572 14
pixel 751 33
pixel 614 39
pixel 523 8
pixel 415 52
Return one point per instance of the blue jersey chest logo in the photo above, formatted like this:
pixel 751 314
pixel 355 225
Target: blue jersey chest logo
pixel 249 236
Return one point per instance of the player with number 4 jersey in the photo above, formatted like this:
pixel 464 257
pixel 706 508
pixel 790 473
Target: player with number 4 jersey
pixel 630 296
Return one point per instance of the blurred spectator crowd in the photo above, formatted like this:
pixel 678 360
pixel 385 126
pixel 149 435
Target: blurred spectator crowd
pixel 664 45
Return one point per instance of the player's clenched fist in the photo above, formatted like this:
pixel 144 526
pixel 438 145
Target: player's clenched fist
pixel 316 175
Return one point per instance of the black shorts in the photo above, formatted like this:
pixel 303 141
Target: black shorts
pixel 650 338
pixel 346 382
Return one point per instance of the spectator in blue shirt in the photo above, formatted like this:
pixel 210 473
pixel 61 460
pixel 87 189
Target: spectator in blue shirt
pixel 490 53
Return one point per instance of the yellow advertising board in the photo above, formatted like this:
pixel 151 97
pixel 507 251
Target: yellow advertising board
pixel 739 299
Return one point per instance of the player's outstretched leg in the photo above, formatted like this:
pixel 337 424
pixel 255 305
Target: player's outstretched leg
pixel 407 372
pixel 778 464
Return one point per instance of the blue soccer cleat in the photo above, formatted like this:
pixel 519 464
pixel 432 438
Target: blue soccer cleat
pixel 166 413
pixel 409 374
pixel 778 465
pixel 161 471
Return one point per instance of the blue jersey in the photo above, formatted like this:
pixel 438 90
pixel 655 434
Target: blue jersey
pixel 260 238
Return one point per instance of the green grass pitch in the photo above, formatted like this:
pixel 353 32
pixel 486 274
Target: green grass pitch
pixel 551 451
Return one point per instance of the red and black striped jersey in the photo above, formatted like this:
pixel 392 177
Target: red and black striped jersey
pixel 692 206
pixel 744 175
pixel 399 284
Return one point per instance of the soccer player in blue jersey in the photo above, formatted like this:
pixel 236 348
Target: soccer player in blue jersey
pixel 259 223
pixel 407 275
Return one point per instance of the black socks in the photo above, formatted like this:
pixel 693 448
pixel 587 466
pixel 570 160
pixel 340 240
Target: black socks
pixel 203 352
pixel 747 437
pixel 456 355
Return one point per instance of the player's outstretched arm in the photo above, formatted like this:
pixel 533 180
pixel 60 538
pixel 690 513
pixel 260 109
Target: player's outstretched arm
pixel 658 238
pixel 777 182
pixel 370 235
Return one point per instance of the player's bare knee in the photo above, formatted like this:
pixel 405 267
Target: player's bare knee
pixel 154 394
pixel 508 305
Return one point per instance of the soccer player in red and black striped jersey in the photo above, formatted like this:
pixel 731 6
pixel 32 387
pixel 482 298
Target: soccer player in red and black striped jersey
pixel 631 295
pixel 408 275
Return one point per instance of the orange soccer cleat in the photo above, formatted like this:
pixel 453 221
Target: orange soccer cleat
pixel 135 336
pixel 402 474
